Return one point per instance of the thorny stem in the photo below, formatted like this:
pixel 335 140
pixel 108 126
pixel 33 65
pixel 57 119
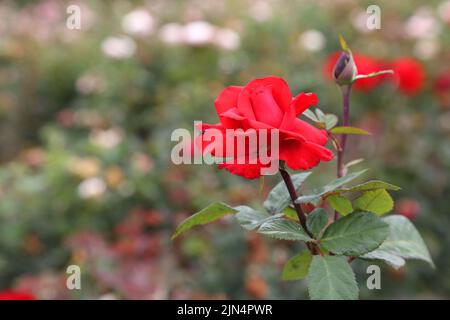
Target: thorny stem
pixel 301 215
pixel 346 91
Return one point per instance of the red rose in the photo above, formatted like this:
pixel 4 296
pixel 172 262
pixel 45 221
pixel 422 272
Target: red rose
pixel 364 64
pixel 408 207
pixel 16 295
pixel 408 75
pixel 267 104
pixel 441 88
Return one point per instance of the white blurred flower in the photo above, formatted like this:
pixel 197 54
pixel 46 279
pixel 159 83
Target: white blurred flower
pixel 172 33
pixel 91 188
pixel 444 11
pixel 138 22
pixel 261 11
pixel 89 83
pixel 312 40
pixel 359 21
pixel 227 39
pixel 198 33
pixel 107 138
pixel 119 47
pixel 426 49
pixel 423 24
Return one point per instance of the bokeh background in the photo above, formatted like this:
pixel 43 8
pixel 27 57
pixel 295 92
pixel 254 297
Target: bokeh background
pixel 85 123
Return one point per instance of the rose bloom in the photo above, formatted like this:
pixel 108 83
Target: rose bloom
pixel 364 64
pixel 408 75
pixel 16 295
pixel 267 103
pixel 441 88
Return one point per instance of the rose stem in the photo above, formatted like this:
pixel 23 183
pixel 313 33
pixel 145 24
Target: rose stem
pixel 293 194
pixel 346 91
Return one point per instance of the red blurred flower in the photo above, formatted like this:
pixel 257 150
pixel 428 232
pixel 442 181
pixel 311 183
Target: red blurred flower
pixel 408 75
pixel 408 207
pixel 16 295
pixel 441 88
pixel 267 104
pixel 364 64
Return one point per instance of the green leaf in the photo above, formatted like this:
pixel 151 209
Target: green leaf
pixel 349 130
pixel 278 198
pixel 355 234
pixel 377 201
pixel 330 121
pixel 403 242
pixel 249 218
pixel 328 188
pixel 340 204
pixel 297 267
pixel 316 221
pixel 290 213
pixel 331 278
pixel 309 114
pixel 369 185
pixel 320 115
pixel 283 229
pixel 209 214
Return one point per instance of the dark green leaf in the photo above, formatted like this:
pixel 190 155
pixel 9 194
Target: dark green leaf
pixel 331 278
pixel 280 228
pixel 278 198
pixel 355 234
pixel 316 221
pixel 209 214
pixel 249 218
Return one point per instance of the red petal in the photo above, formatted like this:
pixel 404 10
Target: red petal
pixel 248 171
pixel 303 101
pixel 303 155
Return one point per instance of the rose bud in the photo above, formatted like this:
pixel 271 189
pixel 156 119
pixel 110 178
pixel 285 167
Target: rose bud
pixel 345 70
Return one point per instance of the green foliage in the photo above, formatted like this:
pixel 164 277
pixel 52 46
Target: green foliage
pixel 278 198
pixel 297 267
pixel 317 221
pixel 340 204
pixel 355 234
pixel 367 186
pixel 376 201
pixel 331 278
pixel 249 218
pixel 325 121
pixel 349 130
pixel 209 214
pixel 329 188
pixel 403 242
pixel 290 213
pixel 280 228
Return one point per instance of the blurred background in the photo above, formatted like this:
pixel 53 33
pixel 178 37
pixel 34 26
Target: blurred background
pixel 86 117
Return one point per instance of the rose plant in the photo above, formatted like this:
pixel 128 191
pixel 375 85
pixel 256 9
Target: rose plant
pixel 347 222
